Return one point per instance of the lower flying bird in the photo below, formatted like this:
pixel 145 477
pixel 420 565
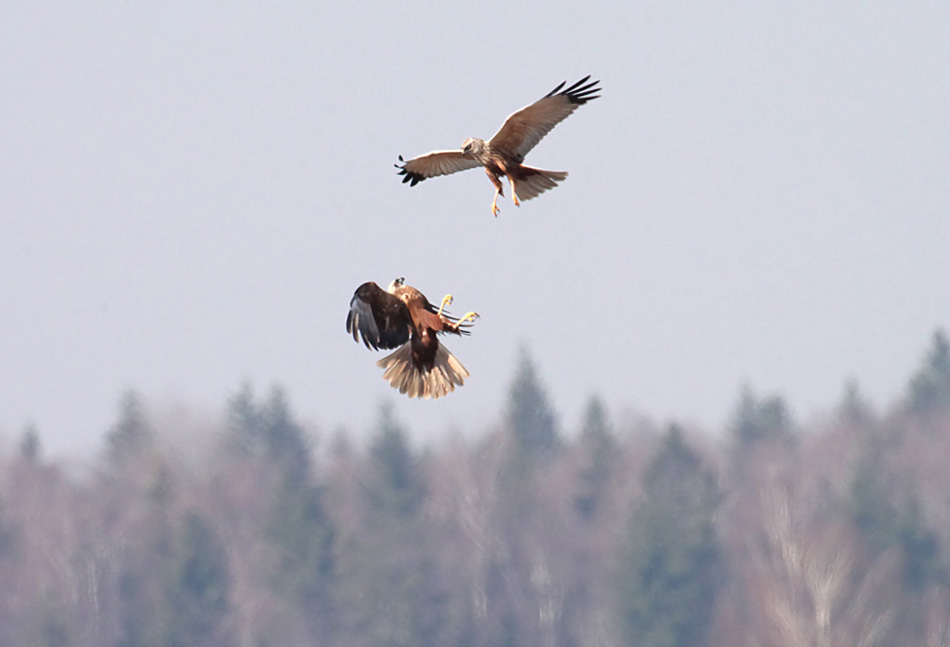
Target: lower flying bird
pixel 503 154
pixel 401 317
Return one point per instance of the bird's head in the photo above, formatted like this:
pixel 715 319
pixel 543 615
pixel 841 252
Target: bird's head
pixel 472 146
pixel 397 283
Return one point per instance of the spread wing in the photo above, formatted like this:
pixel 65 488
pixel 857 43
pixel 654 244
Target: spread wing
pixel 523 130
pixel 378 317
pixel 434 164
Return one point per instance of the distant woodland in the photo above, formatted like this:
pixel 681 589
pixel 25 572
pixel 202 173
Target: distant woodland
pixel 771 532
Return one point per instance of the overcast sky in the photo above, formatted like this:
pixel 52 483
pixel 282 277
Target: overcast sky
pixel 192 191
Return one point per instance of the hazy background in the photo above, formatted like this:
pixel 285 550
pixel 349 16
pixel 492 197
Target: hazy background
pixel 191 192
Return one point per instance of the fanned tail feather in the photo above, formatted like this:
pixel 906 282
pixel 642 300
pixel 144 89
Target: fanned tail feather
pixel 532 182
pixel 446 373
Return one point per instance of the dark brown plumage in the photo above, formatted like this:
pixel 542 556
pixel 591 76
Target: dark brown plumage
pixel 401 317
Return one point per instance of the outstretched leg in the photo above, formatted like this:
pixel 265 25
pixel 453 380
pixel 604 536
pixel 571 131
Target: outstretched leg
pixel 469 316
pixel 499 191
pixel 514 191
pixel 446 301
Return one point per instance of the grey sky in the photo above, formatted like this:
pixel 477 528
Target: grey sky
pixel 192 191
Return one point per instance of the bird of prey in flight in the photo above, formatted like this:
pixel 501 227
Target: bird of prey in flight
pixel 401 317
pixel 503 154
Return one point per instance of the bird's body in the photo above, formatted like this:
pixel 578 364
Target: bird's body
pixel 503 155
pixel 401 317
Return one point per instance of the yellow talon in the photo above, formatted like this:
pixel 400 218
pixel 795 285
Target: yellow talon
pixel 469 316
pixel 446 300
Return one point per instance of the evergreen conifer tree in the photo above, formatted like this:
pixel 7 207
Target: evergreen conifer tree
pixel 757 419
pixel 669 575
pixel 597 449
pixel 31 447
pixel 131 436
pixel 198 589
pixel 930 386
pixel 530 418
pixel 397 485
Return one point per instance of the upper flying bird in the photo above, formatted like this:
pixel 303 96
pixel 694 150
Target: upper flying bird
pixel 401 317
pixel 503 154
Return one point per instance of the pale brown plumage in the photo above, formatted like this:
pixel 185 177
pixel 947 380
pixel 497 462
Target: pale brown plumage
pixel 401 317
pixel 503 154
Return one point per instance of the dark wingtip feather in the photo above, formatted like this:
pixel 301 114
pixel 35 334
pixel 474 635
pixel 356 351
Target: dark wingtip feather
pixel 582 91
pixel 410 177
pixel 555 90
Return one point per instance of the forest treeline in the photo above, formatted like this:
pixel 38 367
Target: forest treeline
pixel 773 533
